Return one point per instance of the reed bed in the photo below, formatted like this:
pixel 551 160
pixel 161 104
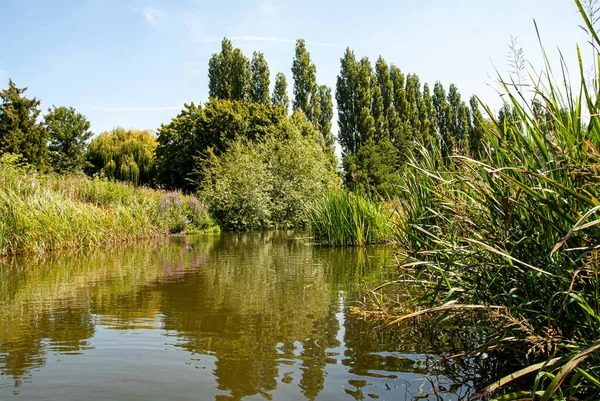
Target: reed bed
pixel 344 219
pixel 509 242
pixel 41 212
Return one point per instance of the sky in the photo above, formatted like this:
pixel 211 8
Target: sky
pixel 134 63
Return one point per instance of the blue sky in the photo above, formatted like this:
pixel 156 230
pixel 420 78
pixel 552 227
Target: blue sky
pixel 134 63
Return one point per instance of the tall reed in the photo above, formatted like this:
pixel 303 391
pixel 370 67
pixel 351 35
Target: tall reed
pixel 341 219
pixel 510 242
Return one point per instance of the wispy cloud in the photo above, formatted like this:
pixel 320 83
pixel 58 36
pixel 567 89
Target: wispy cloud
pixel 138 109
pixel 150 15
pixel 248 38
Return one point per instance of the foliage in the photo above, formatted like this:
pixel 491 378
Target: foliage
pixel 513 233
pixel 124 155
pixel 280 96
pixel 267 183
pixel 304 73
pixel 44 212
pixel 259 87
pixel 68 132
pixel 20 133
pixel 339 218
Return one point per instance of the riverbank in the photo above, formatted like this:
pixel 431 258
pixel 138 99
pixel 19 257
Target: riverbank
pixel 43 212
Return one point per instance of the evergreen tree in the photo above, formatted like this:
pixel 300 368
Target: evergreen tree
pixel 280 96
pixel 304 73
pixel 20 133
pixel 442 112
pixel 259 90
pixel 219 72
pixel 68 132
pixel 344 95
pixel 326 114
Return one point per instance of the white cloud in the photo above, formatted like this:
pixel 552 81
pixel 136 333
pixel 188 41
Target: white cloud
pixel 150 15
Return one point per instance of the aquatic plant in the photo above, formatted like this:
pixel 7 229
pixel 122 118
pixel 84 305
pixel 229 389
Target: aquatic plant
pixel 341 218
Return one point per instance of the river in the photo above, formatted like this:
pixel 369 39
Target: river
pixel 258 316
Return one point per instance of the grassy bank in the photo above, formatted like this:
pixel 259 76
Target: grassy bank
pixel 45 212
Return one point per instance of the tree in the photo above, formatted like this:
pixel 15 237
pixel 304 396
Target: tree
pixel 344 95
pixel 442 113
pixel 428 119
pixel 219 72
pixel 477 129
pixel 68 132
pixel 304 73
pixel 280 96
pixel 20 133
pixel 326 114
pixel 124 155
pixel 458 122
pixel 241 76
pixel 259 89
pixel 362 102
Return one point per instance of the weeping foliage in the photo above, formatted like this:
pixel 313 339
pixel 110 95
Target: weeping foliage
pixel 123 155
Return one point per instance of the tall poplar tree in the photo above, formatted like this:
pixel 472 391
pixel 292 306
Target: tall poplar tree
pixel 458 122
pixel 377 110
pixel 259 89
pixel 362 102
pixel 476 129
pixel 304 73
pixel 219 72
pixel 428 119
pixel 20 133
pixel 442 112
pixel 344 96
pixel 241 76
pixel 326 114
pixel 280 96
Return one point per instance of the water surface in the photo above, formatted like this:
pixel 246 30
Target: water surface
pixel 260 316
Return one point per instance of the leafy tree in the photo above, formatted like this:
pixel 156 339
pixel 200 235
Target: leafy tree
pixel 304 73
pixel 477 129
pixel 280 96
pixel 68 132
pixel 401 134
pixel 384 80
pixel 458 122
pixel 267 183
pixel 442 113
pixel 344 95
pixel 20 133
pixel 124 155
pixel 428 119
pixel 219 72
pixel 377 110
pixel 362 102
pixel 413 100
pixel 259 90
pixel 326 114
pixel 241 76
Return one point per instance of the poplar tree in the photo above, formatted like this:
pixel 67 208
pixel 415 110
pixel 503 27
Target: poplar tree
pixel 377 110
pixel 20 133
pixel 365 123
pixel 476 129
pixel 442 111
pixel 280 96
pixel 68 132
pixel 219 72
pixel 241 76
pixel 259 89
pixel 384 81
pixel 413 100
pixel 326 114
pixel 304 73
pixel 458 124
pixel 428 119
pixel 344 96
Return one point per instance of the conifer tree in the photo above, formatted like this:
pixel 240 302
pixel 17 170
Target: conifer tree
pixel 259 90
pixel 20 133
pixel 280 96
pixel 68 132
pixel 304 73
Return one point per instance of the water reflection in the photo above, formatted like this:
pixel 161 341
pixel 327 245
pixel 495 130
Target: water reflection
pixel 220 317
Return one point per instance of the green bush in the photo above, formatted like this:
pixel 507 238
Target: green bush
pixel 268 183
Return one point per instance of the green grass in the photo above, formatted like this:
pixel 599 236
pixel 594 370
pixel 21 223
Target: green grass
pixel 344 219
pixel 509 243
pixel 46 212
